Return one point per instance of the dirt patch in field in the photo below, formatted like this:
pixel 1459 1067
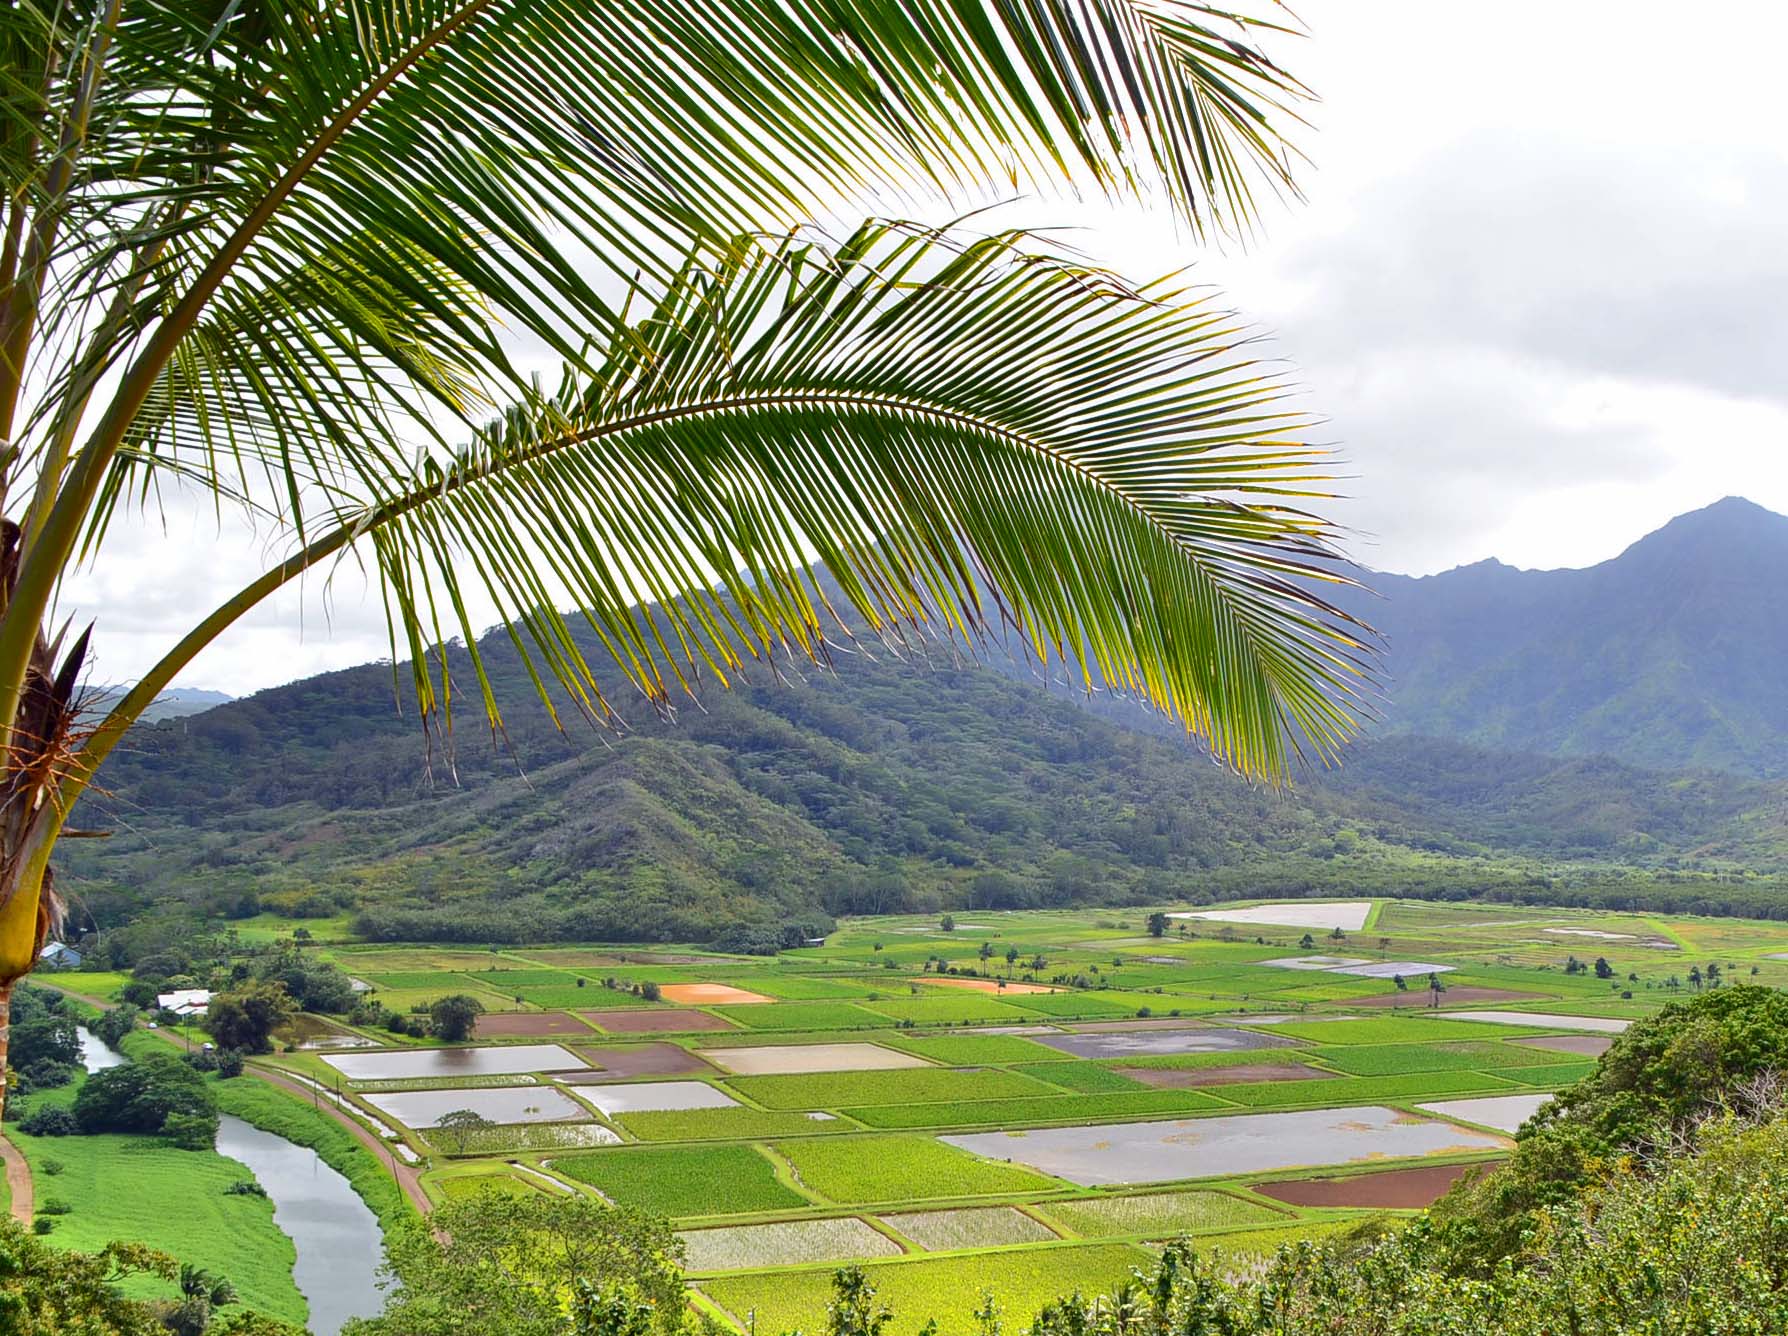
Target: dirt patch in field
pixel 637 1060
pixel 708 994
pixel 1392 1189
pixel 1585 1045
pixel 1186 1078
pixel 528 1024
pixel 991 986
pixel 1418 997
pixel 655 1022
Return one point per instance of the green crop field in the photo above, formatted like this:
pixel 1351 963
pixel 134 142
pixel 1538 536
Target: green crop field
pixel 801 1016
pixel 946 1288
pixel 1364 1089
pixel 837 1090
pixel 974 1050
pixel 1159 1214
pixel 684 1181
pixel 855 1170
pixel 1084 1078
pixel 1393 1059
pixel 723 1124
pixel 785 1243
pixel 969 1227
pixel 1051 1109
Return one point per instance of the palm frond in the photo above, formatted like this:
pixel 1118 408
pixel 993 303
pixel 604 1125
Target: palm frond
pixel 927 421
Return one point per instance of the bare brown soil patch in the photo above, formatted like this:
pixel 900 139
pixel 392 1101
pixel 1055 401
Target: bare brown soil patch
pixel 655 1022
pixel 528 1025
pixel 708 994
pixel 991 986
pixel 1418 997
pixel 637 1060
pixel 1390 1189
pixel 1585 1045
pixel 1185 1078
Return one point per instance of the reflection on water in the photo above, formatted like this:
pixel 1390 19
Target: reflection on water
pixel 337 1237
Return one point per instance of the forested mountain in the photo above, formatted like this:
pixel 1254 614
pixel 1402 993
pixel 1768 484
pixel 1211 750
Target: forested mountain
pixel 1670 655
pixel 882 785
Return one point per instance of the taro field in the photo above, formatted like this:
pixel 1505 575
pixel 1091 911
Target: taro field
pixel 1023 1103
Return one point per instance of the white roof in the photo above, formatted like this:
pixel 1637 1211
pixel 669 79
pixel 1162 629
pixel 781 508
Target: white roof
pixel 182 998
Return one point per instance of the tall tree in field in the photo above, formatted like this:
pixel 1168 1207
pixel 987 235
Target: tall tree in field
pixel 261 250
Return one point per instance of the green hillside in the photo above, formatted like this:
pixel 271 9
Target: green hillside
pixel 883 786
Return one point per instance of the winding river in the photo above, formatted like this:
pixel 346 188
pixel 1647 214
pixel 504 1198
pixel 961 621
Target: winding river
pixel 338 1240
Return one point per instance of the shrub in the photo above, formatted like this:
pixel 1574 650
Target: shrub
pixel 42 1225
pixel 229 1064
pixel 53 1206
pixel 191 1131
pixel 245 1187
pixel 50 1122
pixel 51 1167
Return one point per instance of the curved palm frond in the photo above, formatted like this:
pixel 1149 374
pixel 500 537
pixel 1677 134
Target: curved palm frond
pixel 963 436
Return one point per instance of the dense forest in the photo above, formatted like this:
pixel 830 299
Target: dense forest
pixel 879 785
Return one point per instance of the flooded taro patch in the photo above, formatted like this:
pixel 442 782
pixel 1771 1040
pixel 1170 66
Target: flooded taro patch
pixel 1347 915
pixel 656 1022
pixel 970 1227
pixel 1159 1043
pixel 1594 1024
pixel 1505 1113
pixel 636 1060
pixel 500 1104
pixel 1585 1045
pixel 657 1097
pixel 1163 1152
pixel 1388 1189
pixel 408 1064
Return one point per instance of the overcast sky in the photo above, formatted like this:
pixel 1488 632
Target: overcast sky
pixel 1539 291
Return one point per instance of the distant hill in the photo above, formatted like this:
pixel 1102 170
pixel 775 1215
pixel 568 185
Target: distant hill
pixel 1673 654
pixel 175 703
pixel 882 786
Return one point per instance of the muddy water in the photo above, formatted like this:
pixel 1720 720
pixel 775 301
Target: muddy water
pixel 1156 1043
pixel 1208 1147
pixel 508 1060
pixel 95 1056
pixel 504 1104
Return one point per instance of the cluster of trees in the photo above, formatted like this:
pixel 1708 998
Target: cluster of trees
pixel 45 1051
pixel 159 1094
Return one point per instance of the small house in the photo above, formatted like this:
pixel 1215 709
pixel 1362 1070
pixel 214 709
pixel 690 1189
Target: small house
pixel 185 1001
pixel 60 956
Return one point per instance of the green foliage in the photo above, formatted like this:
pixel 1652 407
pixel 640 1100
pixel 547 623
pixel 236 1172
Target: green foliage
pixel 1668 1070
pixel 146 1096
pixel 47 1291
pixel 685 1181
pixel 246 1017
pixel 454 1017
pixel 493 1262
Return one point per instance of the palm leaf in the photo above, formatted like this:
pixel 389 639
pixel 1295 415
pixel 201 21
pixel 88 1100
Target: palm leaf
pixel 969 438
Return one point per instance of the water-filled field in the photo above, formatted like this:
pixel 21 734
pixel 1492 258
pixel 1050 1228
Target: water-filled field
pixel 1025 1101
pixel 1164 1152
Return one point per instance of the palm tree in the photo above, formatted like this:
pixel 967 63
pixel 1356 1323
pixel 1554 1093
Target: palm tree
pixel 261 251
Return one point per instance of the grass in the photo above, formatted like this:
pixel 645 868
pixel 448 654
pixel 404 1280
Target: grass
pixel 470 1185
pixel 1158 1213
pixel 98 984
pixel 947 1010
pixel 721 1124
pixel 141 1190
pixel 970 1227
pixel 684 1181
pixel 914 1085
pixel 946 1288
pixel 273 1110
pixel 1049 1109
pixel 801 1016
pixel 1554 1074
pixel 784 1243
pixel 1394 1030
pixel 974 1050
pixel 897 1169
pixel 1364 1089
pixel 1084 1078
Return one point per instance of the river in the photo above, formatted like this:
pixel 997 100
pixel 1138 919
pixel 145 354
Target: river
pixel 338 1240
